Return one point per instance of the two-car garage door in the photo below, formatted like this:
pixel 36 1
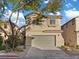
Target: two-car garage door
pixel 44 42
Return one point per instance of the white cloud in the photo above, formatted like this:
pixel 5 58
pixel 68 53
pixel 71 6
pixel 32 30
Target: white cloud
pixel 72 13
pixel 58 13
pixel 14 16
pixel 74 0
pixel 50 14
pixel 46 1
pixel 68 5
pixel 74 9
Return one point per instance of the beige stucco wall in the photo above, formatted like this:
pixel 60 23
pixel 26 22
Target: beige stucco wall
pixel 77 24
pixel 77 29
pixel 45 26
pixel 59 40
pixel 78 38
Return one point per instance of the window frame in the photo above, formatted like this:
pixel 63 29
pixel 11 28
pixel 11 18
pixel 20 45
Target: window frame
pixel 52 21
pixel 52 24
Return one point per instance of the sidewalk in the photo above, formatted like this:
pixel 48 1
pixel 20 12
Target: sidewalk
pixel 10 54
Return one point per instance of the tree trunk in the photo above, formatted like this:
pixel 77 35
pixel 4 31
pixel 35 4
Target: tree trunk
pixel 12 30
pixel 24 38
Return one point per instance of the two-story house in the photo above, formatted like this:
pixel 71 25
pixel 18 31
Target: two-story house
pixel 48 35
pixel 71 32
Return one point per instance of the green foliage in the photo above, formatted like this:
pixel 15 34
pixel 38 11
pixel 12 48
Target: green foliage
pixel 19 49
pixel 1 41
pixel 14 1
pixel 32 5
pixel 64 47
pixel 2 3
pixel 25 4
pixel 17 41
pixel 10 41
pixel 54 6
pixel 15 6
pixel 2 48
pixel 1 22
pixel 77 46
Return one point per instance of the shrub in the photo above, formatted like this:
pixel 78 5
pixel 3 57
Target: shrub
pixel 19 49
pixel 10 41
pixel 62 46
pixel 1 41
pixel 77 46
pixel 65 47
pixel 2 47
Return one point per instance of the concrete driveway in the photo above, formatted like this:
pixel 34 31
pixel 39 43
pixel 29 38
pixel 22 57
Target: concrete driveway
pixel 35 53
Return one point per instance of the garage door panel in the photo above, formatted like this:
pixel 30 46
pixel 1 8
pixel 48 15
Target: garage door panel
pixel 43 42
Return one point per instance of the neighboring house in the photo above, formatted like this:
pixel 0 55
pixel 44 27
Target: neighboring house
pixel 6 27
pixel 71 32
pixel 46 36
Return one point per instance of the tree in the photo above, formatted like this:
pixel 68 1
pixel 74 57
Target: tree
pixel 27 4
pixel 54 6
pixel 17 5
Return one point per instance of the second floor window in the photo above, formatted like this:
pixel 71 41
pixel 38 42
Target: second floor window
pixel 52 22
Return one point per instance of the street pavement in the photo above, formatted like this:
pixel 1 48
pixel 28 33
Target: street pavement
pixel 35 53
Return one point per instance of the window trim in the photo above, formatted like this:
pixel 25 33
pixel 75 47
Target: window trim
pixel 51 25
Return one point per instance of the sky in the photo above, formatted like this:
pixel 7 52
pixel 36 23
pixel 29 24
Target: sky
pixel 70 10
